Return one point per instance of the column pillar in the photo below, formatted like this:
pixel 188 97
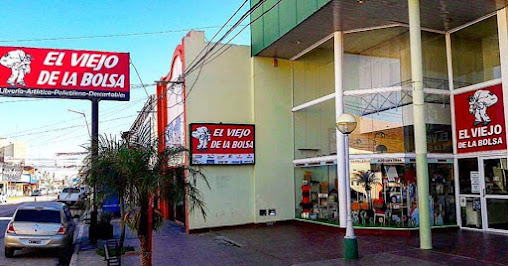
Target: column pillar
pixel 338 57
pixel 422 174
pixel 502 27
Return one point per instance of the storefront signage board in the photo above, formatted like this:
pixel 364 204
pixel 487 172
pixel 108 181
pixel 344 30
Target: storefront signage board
pixel 479 119
pixel 222 144
pixel 57 73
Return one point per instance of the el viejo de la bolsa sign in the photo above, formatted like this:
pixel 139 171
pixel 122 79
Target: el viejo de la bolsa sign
pixel 222 144
pixel 58 73
pixel 480 121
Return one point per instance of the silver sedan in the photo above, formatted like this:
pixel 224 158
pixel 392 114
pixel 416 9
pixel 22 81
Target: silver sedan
pixel 40 225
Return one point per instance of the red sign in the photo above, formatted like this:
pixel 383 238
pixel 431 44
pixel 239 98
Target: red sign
pixel 55 73
pixel 222 144
pixel 479 120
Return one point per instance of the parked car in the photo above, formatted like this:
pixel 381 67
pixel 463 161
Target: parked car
pixel 3 197
pixel 71 196
pixel 44 191
pixel 36 193
pixel 40 225
pixel 85 190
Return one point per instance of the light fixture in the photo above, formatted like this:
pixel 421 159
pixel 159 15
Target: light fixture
pixel 346 123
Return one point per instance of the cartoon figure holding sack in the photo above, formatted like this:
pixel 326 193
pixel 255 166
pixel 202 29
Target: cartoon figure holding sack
pixel 19 63
pixel 478 104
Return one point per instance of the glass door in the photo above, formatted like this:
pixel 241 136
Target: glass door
pixel 470 198
pixel 495 193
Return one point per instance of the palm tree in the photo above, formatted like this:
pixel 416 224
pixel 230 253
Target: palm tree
pixel 368 179
pixel 137 173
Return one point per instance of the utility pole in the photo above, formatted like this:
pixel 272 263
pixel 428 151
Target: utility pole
pixel 95 153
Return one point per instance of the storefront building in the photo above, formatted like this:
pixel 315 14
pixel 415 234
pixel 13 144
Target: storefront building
pixel 313 59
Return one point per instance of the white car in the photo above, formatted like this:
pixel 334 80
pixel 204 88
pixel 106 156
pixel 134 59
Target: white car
pixel 71 196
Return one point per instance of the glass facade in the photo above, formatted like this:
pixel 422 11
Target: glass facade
pixel 475 53
pixel 377 85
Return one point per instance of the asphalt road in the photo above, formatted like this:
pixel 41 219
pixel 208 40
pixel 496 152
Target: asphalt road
pixel 25 256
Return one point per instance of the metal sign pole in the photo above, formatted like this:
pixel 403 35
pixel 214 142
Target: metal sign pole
pixel 95 153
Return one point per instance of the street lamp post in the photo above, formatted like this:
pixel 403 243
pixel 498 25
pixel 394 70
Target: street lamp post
pixel 346 124
pixel 86 120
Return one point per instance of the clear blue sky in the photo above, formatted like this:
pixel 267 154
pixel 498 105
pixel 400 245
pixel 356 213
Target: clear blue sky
pixel 23 119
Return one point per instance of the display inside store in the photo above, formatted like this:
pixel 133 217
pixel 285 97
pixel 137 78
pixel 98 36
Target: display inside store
pixel 384 194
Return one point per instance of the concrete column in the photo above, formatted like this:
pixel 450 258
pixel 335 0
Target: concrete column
pixel 422 174
pixel 449 63
pixel 338 58
pixel 502 24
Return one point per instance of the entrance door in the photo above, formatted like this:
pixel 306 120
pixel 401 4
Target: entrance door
pixel 495 193
pixel 483 193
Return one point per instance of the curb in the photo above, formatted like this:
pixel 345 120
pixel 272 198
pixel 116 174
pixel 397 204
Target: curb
pixel 77 245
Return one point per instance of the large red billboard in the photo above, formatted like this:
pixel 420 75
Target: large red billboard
pixel 479 120
pixel 222 143
pixel 56 73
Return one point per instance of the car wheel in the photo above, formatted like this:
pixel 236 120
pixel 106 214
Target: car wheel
pixel 9 252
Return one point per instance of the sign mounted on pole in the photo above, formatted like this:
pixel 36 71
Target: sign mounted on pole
pixel 57 73
pixel 222 144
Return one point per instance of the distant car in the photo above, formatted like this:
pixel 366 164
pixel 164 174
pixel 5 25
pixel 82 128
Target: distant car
pixel 36 193
pixel 71 196
pixel 85 190
pixel 3 197
pixel 40 225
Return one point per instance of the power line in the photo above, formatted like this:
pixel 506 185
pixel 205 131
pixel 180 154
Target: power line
pixel 200 62
pixel 137 73
pixel 109 35
pixel 63 128
pixel 217 33
pixel 226 45
pixel 240 20
pixel 203 60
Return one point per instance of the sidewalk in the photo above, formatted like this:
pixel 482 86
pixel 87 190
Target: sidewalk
pixel 297 244
pixel 84 252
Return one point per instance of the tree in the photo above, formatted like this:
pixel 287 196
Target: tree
pixel 368 179
pixel 137 173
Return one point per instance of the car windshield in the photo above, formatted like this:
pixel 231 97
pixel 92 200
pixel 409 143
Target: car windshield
pixel 71 190
pixel 39 216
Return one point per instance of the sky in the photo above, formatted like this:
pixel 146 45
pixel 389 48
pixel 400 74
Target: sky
pixel 46 125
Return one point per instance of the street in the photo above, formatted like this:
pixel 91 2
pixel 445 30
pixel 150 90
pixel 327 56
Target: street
pixel 25 256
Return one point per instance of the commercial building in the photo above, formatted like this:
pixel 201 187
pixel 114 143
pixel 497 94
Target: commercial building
pixel 430 112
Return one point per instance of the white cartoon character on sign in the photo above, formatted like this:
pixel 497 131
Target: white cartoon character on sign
pixel 478 104
pixel 204 135
pixel 19 63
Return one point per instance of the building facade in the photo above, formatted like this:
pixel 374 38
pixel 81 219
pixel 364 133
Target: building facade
pixel 312 60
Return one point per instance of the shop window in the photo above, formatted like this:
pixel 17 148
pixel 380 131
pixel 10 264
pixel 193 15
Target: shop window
pixel 475 53
pixel 384 193
pixel 316 193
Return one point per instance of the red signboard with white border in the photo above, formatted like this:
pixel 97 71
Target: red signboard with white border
pixel 222 144
pixel 480 121
pixel 57 73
